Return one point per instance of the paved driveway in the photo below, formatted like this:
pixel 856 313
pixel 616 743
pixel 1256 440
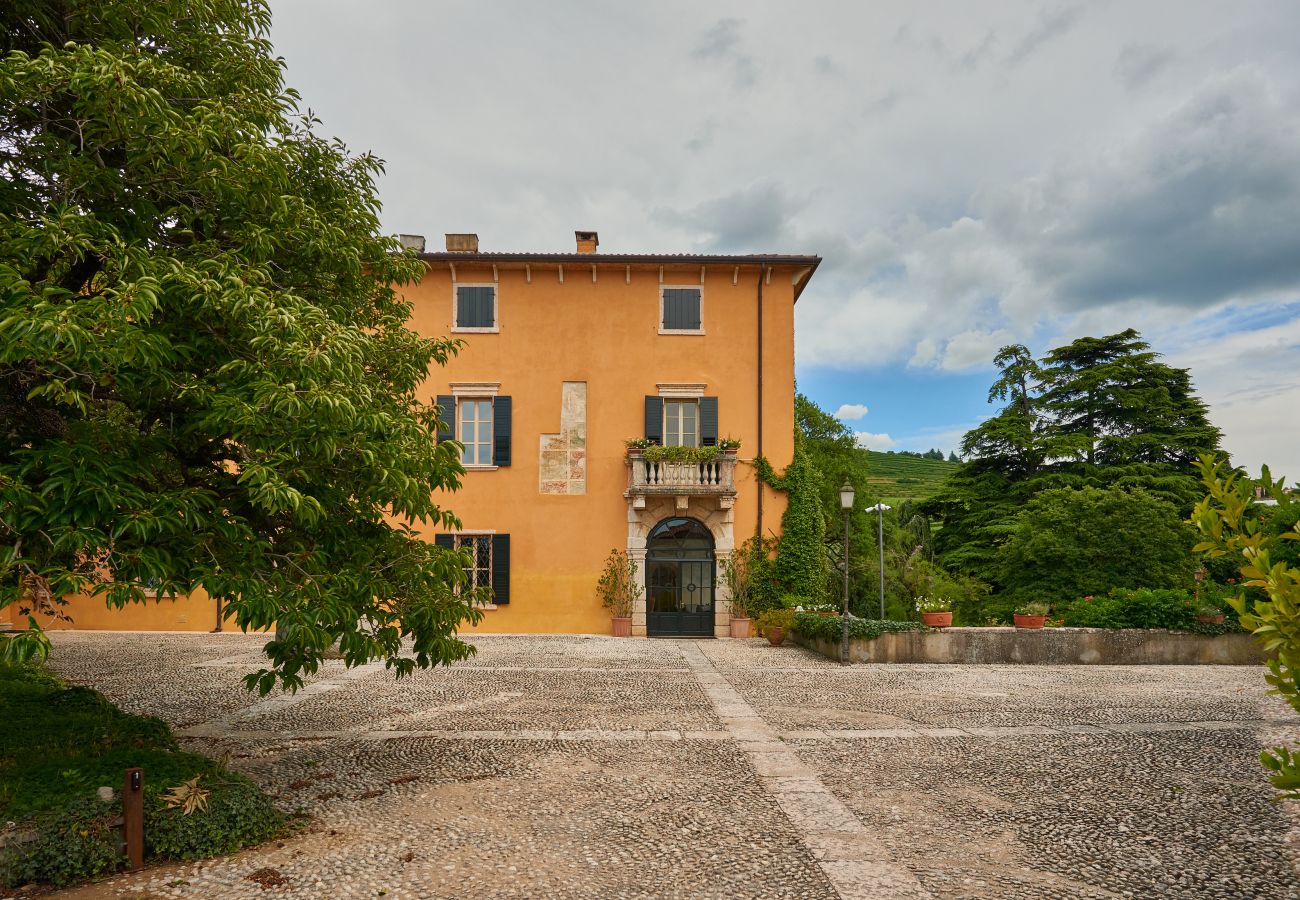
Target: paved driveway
pixel 564 766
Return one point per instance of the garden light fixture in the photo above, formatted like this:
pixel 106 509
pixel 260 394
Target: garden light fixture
pixel 880 531
pixel 846 504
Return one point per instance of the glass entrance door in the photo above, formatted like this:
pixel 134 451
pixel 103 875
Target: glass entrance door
pixel 679 579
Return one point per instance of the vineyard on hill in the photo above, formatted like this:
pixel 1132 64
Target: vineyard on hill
pixel 897 478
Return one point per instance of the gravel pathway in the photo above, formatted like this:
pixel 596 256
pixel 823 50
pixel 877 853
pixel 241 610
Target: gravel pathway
pixel 580 766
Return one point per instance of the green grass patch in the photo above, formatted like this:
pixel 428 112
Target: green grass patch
pixel 60 743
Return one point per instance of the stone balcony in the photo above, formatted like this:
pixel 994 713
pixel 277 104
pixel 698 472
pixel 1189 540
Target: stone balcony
pixel 715 478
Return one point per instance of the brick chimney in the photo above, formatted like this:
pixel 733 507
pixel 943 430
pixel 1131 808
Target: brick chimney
pixel 412 242
pixel 462 243
pixel 588 241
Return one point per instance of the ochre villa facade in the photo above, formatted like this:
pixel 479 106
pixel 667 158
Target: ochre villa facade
pixel 566 357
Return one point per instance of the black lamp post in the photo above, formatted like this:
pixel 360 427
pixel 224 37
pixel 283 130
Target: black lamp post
pixel 846 504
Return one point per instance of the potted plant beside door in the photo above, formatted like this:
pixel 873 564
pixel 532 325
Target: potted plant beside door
pixel 619 591
pixel 736 576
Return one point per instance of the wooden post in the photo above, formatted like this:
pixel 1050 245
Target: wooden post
pixel 133 816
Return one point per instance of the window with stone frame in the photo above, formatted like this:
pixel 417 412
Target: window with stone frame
pixel 681 423
pixel 476 307
pixel 474 430
pixel 681 310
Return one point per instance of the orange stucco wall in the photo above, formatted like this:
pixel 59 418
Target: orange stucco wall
pixel 604 333
pixel 196 612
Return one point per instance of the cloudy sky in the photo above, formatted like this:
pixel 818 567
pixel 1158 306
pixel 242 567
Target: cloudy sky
pixel 974 174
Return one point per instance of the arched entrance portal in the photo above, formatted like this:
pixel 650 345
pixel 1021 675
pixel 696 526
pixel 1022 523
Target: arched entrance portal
pixel 679 579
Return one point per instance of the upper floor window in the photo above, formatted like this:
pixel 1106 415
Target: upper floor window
pixel 681 310
pixel 475 430
pixel 681 423
pixel 680 419
pixel 475 308
pixel 480 418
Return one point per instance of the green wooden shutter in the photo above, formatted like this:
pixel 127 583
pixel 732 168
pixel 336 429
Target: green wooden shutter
pixel 654 419
pixel 447 413
pixel 446 541
pixel 501 416
pixel 708 421
pixel 501 569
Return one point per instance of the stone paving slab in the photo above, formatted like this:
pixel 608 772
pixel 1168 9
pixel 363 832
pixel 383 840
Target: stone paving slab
pixel 915 696
pixel 596 767
pixel 492 700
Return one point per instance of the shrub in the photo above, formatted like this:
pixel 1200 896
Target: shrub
pixel 237 814
pixel 1067 543
pixel 776 618
pixel 1267 547
pixel 747 573
pixel 1142 608
pixel 828 628
pixel 72 843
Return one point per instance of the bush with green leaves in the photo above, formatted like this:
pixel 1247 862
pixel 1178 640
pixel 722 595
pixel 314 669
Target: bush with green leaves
pixel 1233 525
pixel 1125 608
pixel 59 744
pixel 747 573
pixel 72 843
pixel 1069 543
pixel 237 815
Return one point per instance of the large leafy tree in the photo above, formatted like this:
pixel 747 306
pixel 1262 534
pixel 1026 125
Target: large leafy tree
pixel 1067 543
pixel 1102 413
pixel 205 374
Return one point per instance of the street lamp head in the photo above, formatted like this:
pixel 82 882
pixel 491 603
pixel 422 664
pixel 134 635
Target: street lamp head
pixel 846 495
pixel 879 507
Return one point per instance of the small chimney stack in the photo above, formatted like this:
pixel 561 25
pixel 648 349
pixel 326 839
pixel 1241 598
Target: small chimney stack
pixel 588 241
pixel 412 242
pixel 462 243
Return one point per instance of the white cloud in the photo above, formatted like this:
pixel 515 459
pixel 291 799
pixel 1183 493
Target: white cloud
pixel 850 412
pixel 985 172
pixel 874 441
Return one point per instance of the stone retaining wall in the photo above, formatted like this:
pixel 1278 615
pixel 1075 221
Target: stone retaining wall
pixel 1049 646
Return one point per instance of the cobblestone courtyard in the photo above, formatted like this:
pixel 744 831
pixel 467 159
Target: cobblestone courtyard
pixel 597 767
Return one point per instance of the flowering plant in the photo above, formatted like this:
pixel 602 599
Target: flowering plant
pixel 932 604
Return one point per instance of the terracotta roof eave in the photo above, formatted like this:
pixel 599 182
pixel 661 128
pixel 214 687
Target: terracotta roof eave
pixel 752 259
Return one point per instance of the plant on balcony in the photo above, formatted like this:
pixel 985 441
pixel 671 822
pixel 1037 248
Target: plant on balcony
pixel 729 443
pixel 655 453
pixel 619 591
pixel 638 443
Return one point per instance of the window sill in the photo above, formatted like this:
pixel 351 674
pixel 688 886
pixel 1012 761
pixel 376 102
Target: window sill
pixel 485 606
pixel 663 330
pixel 456 329
pixel 479 468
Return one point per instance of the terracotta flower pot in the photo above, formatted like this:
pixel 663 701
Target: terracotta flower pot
pixel 739 627
pixel 622 626
pixel 775 635
pixel 937 619
pixel 1029 621
pixel 1211 620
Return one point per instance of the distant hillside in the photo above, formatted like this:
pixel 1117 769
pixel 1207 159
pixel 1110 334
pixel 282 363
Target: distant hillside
pixel 899 477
